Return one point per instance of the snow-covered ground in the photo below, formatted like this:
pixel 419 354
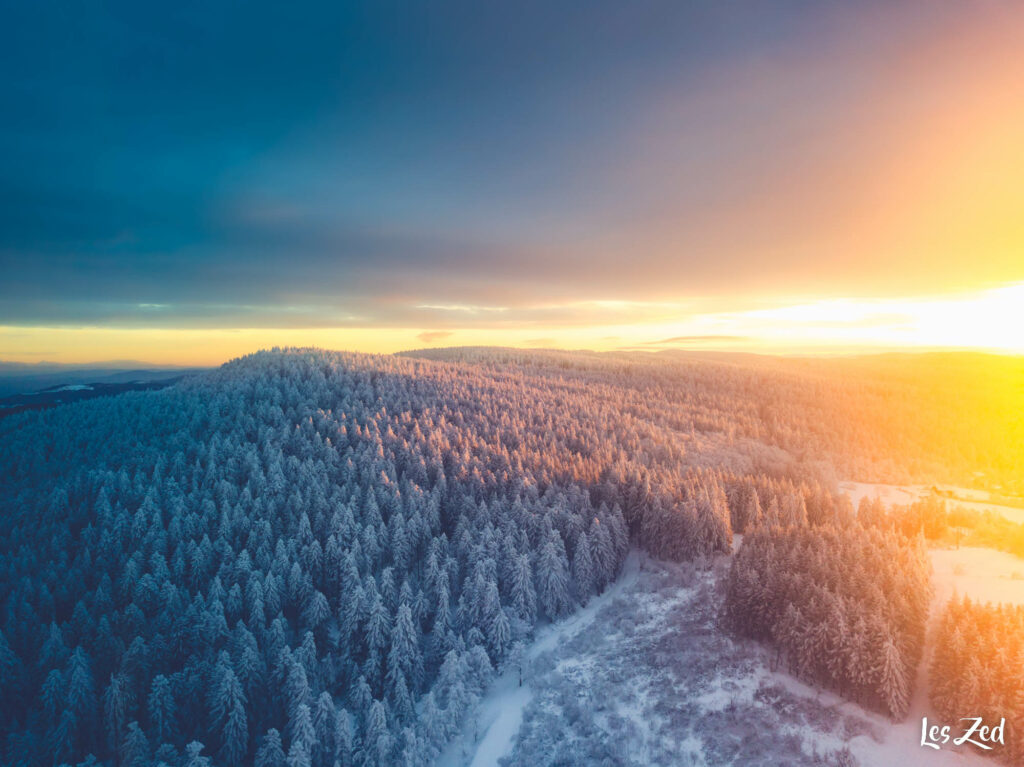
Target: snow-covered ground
pixel 503 709
pixel 985 575
pixel 644 675
pixel 976 500
pixel 489 734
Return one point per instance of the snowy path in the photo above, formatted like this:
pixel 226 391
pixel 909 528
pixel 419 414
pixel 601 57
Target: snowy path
pixel 553 634
pixel 500 712
pixel 497 741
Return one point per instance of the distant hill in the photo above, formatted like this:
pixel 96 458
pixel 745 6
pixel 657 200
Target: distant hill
pixel 115 383
pixel 26 378
pixel 9 367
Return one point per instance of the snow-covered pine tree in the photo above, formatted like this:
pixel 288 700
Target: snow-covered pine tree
pixel 583 569
pixel 161 709
pixel 552 577
pixel 271 752
pixel 523 595
pixel 894 682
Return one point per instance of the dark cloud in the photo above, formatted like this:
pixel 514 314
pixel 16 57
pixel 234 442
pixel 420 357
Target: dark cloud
pixel 198 155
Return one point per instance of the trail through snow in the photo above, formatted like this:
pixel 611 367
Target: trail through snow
pixel 507 707
pixel 491 732
pixel 555 633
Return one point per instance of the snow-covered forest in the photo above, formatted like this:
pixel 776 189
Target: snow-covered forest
pixel 314 558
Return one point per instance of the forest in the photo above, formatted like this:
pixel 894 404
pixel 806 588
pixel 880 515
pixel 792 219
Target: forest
pixel 315 558
pixel 892 418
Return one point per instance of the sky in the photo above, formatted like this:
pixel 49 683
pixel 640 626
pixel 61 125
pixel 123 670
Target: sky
pixel 187 182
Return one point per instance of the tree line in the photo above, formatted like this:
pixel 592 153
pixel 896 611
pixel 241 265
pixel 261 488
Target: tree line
pixel 843 604
pixel 978 669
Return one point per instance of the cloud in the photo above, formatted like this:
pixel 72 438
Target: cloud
pixel 429 336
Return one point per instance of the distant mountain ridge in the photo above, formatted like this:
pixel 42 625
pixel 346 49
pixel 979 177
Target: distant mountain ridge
pixel 26 378
pixel 61 394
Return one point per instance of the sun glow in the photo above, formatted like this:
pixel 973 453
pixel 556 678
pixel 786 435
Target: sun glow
pixel 990 320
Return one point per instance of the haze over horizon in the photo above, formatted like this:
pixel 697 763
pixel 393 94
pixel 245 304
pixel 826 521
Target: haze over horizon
pixel 187 184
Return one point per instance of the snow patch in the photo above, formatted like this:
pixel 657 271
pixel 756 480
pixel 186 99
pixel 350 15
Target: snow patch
pixel 984 575
pixel 725 691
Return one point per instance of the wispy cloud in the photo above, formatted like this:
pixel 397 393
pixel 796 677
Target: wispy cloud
pixel 463 308
pixel 713 338
pixel 429 336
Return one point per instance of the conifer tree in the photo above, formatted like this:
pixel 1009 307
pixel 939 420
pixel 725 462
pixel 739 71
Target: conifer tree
pixel 404 657
pixel 524 597
pixel 894 682
pixel 303 738
pixel 135 748
pixel 161 709
pixel 194 756
pixel 583 569
pixel 553 588
pixel 270 752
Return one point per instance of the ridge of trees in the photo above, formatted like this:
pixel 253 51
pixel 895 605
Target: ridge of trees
pixel 895 418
